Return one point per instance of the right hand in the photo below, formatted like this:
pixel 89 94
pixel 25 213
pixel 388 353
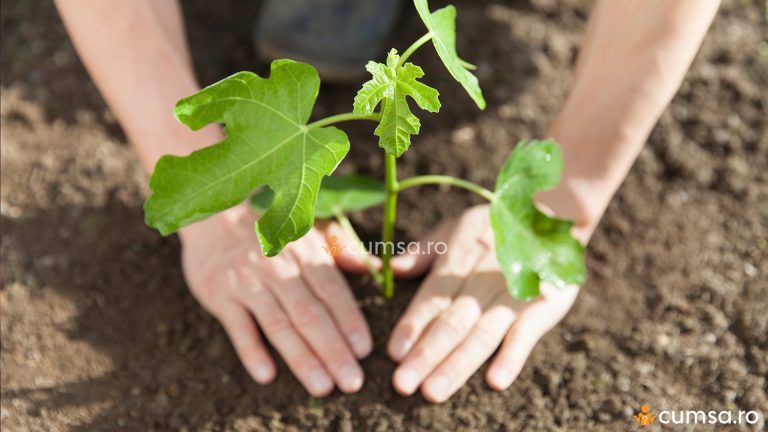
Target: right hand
pixel 298 298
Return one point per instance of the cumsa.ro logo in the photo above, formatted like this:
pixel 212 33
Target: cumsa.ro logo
pixel 688 417
pixel 334 248
pixel 644 417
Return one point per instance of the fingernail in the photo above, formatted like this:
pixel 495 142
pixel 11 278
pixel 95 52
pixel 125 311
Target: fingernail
pixel 351 378
pixel 262 373
pixel 361 344
pixel 437 387
pixel 319 382
pixel 501 377
pixel 407 380
pixel 403 262
pixel 400 347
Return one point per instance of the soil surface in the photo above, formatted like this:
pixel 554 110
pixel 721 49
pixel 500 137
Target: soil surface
pixel 99 332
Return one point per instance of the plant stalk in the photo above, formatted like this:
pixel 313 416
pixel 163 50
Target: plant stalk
pixel 443 179
pixel 388 227
pixel 414 46
pixel 467 65
pixel 346 225
pixel 343 117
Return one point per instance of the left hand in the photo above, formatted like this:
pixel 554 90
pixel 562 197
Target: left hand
pixel 462 313
pixel 297 300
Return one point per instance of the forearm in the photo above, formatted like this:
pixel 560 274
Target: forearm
pixel 137 55
pixel 633 58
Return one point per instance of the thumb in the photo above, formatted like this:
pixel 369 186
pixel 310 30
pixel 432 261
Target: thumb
pixel 349 255
pixel 415 262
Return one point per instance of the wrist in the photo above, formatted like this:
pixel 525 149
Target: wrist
pixel 595 164
pixel 568 201
pixel 216 225
pixel 173 139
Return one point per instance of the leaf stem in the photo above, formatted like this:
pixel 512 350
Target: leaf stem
pixel 346 225
pixel 412 49
pixel 343 117
pixel 443 179
pixel 467 65
pixel 388 227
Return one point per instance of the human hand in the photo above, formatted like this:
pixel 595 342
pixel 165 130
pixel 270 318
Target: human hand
pixel 298 298
pixel 462 313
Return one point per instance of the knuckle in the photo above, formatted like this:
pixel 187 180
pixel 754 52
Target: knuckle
pixel 355 327
pixel 517 346
pixel 406 329
pixel 421 313
pixel 486 336
pixel 248 283
pixel 249 355
pixel 424 354
pixel 283 267
pixel 307 313
pixel 239 259
pixel 206 289
pixel 241 338
pixel 211 303
pixel 328 290
pixel 275 323
pixel 305 365
pixel 454 325
pixel 336 355
pixel 436 304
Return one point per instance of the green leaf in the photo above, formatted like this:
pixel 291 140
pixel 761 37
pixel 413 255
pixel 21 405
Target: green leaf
pixel 348 193
pixel 442 24
pixel 531 246
pixel 263 197
pixel 267 143
pixel 342 194
pixel 391 84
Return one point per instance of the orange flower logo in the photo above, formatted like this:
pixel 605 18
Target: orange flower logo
pixel 644 418
pixel 334 248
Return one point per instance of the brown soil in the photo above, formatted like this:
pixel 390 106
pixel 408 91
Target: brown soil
pixel 99 332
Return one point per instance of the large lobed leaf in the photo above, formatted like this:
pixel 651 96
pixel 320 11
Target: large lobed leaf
pixel 442 24
pixel 391 85
pixel 338 194
pixel 267 143
pixel 531 246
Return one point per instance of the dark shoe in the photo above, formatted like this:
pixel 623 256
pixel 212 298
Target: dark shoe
pixel 338 37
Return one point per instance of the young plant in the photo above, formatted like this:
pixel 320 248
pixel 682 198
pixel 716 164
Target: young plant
pixel 273 149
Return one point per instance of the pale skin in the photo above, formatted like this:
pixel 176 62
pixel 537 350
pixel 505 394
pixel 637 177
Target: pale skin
pixel 633 58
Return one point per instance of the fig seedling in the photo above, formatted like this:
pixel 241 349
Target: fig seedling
pixel 272 148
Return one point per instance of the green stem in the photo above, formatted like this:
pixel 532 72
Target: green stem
pixel 388 228
pixel 467 65
pixel 412 49
pixel 346 225
pixel 442 179
pixel 343 117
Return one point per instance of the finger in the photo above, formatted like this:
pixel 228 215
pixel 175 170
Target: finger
pixel 310 317
pixel 331 288
pixel 470 355
pixel 535 319
pixel 245 337
pixel 438 290
pixel 416 261
pixel 350 256
pixel 278 328
pixel 514 352
pixel 449 329
pixel 434 296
